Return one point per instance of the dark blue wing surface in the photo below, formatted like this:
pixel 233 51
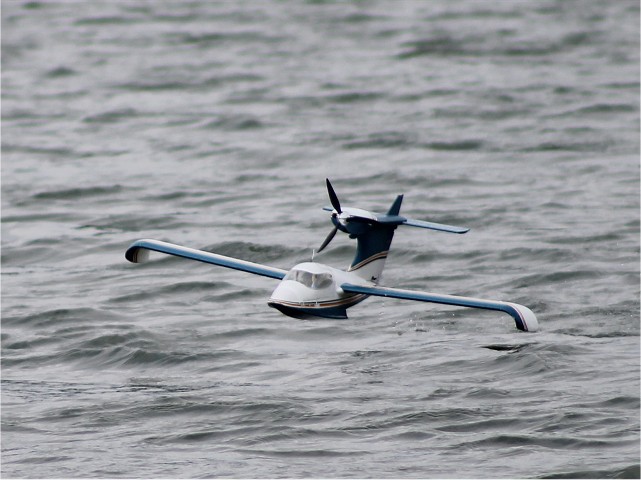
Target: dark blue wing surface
pixel 139 250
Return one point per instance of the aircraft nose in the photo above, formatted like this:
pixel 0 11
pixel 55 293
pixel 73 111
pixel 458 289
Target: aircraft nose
pixel 287 291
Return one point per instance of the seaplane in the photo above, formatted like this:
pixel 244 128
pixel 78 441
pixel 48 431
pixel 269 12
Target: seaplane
pixel 311 290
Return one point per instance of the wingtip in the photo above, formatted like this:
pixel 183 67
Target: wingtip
pixel 136 253
pixel 525 318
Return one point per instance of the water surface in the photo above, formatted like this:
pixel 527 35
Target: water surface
pixel 214 125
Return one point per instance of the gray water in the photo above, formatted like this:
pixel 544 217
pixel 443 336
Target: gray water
pixel 214 125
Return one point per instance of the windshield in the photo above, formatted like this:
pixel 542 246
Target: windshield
pixel 310 280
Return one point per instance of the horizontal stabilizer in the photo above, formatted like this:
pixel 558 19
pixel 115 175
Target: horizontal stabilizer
pixel 523 316
pixel 390 219
pixel 139 250
pixel 435 226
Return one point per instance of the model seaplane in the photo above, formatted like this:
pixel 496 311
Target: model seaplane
pixel 313 289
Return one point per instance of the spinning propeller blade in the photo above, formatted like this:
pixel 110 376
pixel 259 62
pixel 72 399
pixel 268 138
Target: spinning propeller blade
pixel 328 239
pixel 333 198
pixel 337 206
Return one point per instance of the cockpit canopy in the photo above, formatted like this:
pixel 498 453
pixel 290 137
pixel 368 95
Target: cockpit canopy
pixel 316 281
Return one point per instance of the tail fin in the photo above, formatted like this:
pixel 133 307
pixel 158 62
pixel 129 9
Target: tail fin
pixel 395 209
pixel 373 245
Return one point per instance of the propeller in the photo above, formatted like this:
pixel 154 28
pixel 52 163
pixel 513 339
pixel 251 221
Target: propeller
pixel 333 197
pixel 337 206
pixel 328 239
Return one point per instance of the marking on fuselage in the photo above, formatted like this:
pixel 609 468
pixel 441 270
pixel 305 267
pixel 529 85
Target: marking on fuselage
pixel 348 301
pixel 377 256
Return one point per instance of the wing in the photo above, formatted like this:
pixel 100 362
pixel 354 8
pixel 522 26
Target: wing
pixel 138 252
pixel 523 316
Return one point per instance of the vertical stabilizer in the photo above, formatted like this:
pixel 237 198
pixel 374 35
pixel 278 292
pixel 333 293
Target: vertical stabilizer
pixel 395 209
pixel 373 246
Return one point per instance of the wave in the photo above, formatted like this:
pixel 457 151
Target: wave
pixel 183 81
pixel 112 116
pixel 61 72
pixel 131 223
pixel 556 442
pixel 61 316
pixel 134 348
pixel 206 40
pixel 79 193
pixel 449 44
pixel 235 122
pixel 253 252
pixel 173 288
pixel 631 471
pixel 106 20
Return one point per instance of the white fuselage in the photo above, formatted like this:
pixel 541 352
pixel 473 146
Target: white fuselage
pixel 313 290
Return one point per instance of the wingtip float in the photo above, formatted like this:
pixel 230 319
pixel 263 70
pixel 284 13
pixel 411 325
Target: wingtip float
pixel 313 289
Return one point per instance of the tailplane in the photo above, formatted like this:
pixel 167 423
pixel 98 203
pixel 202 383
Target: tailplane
pixel 373 233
